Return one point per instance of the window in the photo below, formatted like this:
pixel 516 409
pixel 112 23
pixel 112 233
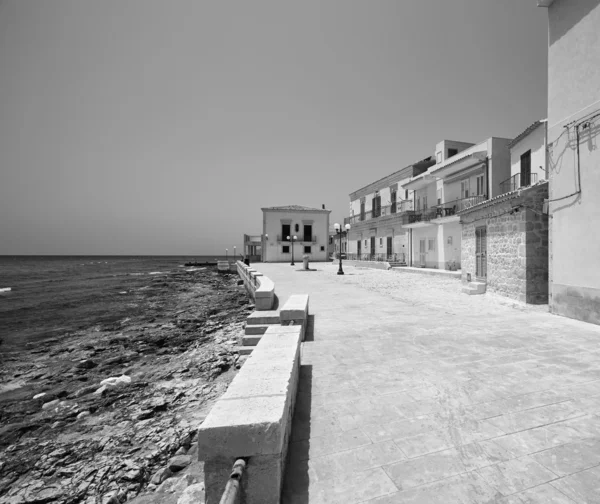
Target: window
pixel 464 188
pixel 393 197
pixel 418 203
pixel 376 205
pixel 405 194
pixel 381 242
pixel 331 240
pixel 480 185
pixel 285 249
pixel 286 230
pixel 362 210
pixel 424 202
pixel 297 228
pixel 431 246
pixel 322 248
pixel 308 232
pixel 439 196
pixel 307 249
pixel 438 157
pixel 452 152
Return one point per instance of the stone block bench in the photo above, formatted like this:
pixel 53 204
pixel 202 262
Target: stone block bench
pixel 253 420
pixel 295 311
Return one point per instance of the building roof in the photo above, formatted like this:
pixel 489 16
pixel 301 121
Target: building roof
pixel 402 173
pixel 296 208
pixel 526 132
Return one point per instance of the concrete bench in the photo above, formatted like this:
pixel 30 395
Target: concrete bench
pixel 253 420
pixel 295 310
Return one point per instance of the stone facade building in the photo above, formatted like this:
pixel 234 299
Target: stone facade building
pixel 513 230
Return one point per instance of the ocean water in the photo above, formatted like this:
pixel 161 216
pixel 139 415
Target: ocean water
pixel 51 295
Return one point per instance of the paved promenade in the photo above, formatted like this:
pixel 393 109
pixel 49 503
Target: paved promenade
pixel 411 392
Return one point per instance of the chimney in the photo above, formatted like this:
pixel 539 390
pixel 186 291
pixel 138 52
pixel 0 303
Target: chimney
pixel 323 206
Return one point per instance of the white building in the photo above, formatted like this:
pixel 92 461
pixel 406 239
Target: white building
pixel 463 176
pixel 309 226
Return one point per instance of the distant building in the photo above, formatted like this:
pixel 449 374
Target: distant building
pixel 253 245
pixel 334 242
pixel 309 225
pixel 574 157
pixel 505 239
pixel 463 175
pixel 377 214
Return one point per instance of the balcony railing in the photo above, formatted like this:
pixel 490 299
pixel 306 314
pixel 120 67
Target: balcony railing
pixel 517 181
pixel 301 238
pixel 451 207
pixel 393 209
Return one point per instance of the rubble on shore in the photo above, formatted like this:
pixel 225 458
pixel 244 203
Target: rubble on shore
pixel 105 414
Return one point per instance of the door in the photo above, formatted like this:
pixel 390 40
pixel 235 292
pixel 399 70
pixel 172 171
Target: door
pixel 481 252
pixel 358 249
pixel 390 248
pixel 372 247
pixel 422 252
pixel 526 169
pixel 308 233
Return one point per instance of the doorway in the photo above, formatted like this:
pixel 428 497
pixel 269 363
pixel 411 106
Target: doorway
pixel 481 252
pixel 372 247
pixel 390 247
pixel 422 253
pixel 358 249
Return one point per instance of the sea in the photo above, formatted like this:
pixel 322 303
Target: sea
pixel 47 296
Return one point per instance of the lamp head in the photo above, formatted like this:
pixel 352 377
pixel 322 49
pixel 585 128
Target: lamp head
pixel 336 226
pixel 288 237
pixel 266 236
pixel 347 226
pixel 295 237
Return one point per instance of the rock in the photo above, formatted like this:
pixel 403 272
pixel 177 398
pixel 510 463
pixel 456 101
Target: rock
pixel 179 462
pixel 194 494
pixel 145 414
pixel 85 390
pixel 101 390
pixel 50 404
pixel 37 396
pixel 161 475
pixel 83 414
pixel 86 364
pixel 182 451
pixel 176 485
pixel 117 381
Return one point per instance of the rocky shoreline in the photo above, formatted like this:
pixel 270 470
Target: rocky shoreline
pixel 109 414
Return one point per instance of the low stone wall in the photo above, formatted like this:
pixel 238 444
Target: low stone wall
pixel 365 264
pixel 517 245
pixel 295 311
pixel 260 288
pixel 253 420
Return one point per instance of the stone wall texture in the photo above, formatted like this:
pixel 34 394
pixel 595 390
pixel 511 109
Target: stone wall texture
pixel 517 245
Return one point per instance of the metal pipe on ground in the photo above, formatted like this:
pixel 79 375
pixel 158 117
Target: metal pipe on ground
pixel 232 492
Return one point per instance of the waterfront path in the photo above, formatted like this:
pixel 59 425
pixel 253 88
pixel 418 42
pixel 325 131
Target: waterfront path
pixel 413 392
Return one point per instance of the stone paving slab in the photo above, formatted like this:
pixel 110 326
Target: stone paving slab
pixel 411 392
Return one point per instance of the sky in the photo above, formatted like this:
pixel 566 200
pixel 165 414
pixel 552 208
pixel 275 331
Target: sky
pixel 155 127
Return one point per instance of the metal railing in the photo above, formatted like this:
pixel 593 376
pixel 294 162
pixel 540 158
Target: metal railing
pixel 232 489
pixel 300 239
pixel 393 209
pixel 451 207
pixel 375 257
pixel 517 181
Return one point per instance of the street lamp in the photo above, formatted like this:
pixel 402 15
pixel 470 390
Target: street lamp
pixel 293 238
pixel 347 227
pixel 338 230
pixel 234 254
pixel 227 255
pixel 263 250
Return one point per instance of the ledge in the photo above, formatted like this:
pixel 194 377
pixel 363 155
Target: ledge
pixel 253 419
pixel 259 287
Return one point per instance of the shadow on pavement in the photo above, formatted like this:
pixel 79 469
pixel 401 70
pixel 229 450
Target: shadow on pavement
pixel 309 334
pixel 296 479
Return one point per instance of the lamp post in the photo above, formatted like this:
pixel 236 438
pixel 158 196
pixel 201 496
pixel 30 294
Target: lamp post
pixel 227 255
pixel 347 227
pixel 338 230
pixel 265 238
pixel 292 239
pixel 234 255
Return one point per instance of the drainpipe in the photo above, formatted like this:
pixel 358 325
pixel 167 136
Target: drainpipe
pixel 487 177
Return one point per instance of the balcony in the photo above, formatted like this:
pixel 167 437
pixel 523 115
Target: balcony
pixel 450 208
pixel 385 211
pixel 300 239
pixel 517 181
